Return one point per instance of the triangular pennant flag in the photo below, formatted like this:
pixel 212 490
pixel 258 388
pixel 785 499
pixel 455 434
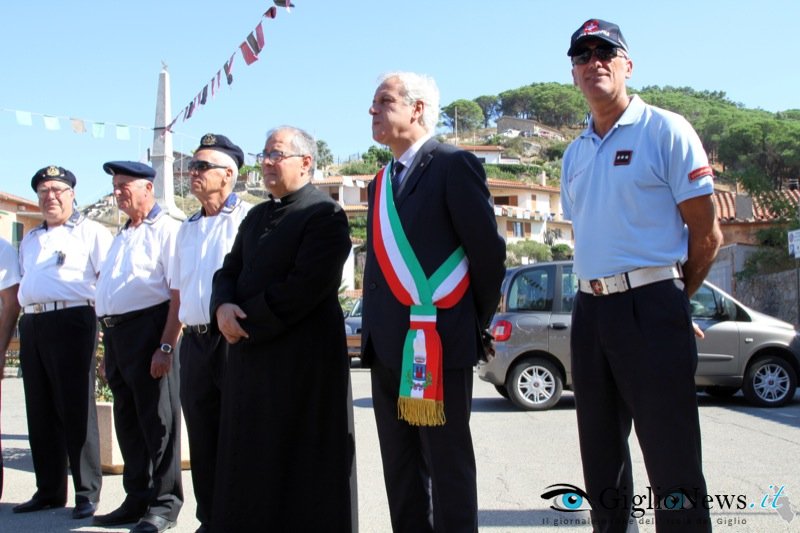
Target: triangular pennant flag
pixel 169 128
pixel 51 123
pixel 78 126
pixel 247 53
pixel 185 113
pixel 214 80
pixel 204 95
pixel 256 42
pixel 24 118
pixel 271 13
pixel 98 130
pixel 229 69
pixel 284 3
pixel 123 133
pixel 190 110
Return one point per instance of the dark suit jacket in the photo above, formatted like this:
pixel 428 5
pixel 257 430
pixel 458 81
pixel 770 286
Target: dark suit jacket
pixel 443 202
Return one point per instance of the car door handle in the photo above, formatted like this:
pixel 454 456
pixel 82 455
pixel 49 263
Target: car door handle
pixel 558 325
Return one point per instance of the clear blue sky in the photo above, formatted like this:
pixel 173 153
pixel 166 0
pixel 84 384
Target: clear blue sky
pixel 99 61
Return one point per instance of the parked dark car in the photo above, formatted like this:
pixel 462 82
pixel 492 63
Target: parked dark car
pixel 742 349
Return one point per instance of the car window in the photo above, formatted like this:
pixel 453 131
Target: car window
pixel 569 288
pixel 703 303
pixel 532 290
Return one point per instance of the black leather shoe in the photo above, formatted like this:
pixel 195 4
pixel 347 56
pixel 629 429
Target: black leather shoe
pixel 84 510
pixel 151 523
pixel 124 514
pixel 36 504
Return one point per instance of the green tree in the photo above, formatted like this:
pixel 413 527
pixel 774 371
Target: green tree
pixel 377 156
pixel 324 155
pixel 470 116
pixel 534 251
pixel 490 106
pixel 561 252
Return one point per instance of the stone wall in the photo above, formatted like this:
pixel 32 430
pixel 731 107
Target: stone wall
pixel 773 294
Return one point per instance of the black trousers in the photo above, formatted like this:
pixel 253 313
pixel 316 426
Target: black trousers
pixel 58 369
pixel 146 414
pixel 429 472
pixel 202 363
pixel 633 361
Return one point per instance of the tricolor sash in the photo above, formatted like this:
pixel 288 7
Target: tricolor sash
pixel 421 400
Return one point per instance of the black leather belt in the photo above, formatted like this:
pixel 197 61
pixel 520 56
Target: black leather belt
pixel 110 321
pixel 200 329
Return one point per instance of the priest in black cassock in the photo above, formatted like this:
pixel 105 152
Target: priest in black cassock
pixel 285 454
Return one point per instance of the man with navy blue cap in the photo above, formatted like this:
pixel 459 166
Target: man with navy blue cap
pixel 203 241
pixel 59 262
pixel 637 186
pixel 139 315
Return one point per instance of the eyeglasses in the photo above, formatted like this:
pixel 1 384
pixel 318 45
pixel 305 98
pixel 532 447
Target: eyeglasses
pixel 275 156
pixel 197 165
pixel 44 192
pixel 602 53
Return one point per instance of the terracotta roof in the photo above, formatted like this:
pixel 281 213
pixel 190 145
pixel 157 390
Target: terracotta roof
pixel 725 204
pixel 18 199
pixel 479 148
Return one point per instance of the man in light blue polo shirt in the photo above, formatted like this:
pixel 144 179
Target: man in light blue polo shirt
pixel 637 186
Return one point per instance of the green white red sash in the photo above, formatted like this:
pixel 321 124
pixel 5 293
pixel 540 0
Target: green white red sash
pixel 421 400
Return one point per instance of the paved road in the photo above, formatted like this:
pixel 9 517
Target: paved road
pixel 746 451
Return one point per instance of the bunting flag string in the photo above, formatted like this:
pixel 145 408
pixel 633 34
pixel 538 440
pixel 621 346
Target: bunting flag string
pixel 250 48
pixel 77 125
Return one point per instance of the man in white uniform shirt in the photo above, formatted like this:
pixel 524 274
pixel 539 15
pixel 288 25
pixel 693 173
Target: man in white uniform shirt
pixel 139 316
pixel 203 241
pixel 9 309
pixel 59 261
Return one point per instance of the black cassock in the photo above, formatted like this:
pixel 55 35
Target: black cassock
pixel 285 454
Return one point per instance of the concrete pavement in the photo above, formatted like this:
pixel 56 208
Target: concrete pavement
pixel 748 452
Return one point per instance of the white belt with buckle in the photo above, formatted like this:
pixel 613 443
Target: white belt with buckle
pixel 629 280
pixel 55 306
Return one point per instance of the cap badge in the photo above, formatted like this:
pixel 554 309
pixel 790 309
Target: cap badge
pixel 52 171
pixel 208 140
pixel 590 27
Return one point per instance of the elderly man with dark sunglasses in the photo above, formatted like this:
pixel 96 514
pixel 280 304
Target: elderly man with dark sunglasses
pixel 637 186
pixel 203 240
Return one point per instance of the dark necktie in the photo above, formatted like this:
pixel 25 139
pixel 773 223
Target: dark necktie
pixel 397 168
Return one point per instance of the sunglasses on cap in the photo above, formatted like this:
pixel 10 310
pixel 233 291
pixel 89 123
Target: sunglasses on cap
pixel 602 53
pixel 197 165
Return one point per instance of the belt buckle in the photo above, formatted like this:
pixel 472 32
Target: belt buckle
pixel 38 308
pixel 106 320
pixel 202 329
pixel 598 287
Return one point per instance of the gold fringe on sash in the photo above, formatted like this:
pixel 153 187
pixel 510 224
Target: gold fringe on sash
pixel 420 412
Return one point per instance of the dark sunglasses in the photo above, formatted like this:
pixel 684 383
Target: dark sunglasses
pixel 602 53
pixel 201 166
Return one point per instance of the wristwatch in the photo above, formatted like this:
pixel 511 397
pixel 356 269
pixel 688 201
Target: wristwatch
pixel 166 348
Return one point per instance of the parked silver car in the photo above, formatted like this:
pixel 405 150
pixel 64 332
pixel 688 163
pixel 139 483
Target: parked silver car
pixel 742 349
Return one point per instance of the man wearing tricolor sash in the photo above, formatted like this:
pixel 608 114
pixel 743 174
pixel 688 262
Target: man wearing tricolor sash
pixel 431 283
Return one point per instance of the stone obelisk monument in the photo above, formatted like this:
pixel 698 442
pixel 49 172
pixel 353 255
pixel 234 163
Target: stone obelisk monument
pixel 161 156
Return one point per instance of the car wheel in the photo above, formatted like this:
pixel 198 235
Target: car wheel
pixel 718 391
pixel 534 384
pixel 501 390
pixel 769 382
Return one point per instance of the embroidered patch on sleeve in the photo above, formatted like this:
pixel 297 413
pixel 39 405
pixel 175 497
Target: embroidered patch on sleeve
pixel 623 157
pixel 700 172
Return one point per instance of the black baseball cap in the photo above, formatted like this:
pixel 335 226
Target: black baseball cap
pixel 597 29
